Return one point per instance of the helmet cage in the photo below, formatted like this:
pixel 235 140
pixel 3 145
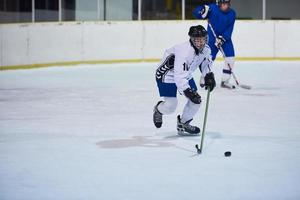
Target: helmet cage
pixel 199 42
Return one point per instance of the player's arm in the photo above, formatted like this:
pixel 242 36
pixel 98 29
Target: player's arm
pixel 181 79
pixel 202 12
pixel 206 70
pixel 181 73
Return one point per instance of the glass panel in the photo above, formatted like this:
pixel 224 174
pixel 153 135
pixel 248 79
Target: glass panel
pixel 88 10
pixel 278 9
pixel 248 9
pixel 12 11
pixel 119 10
pixel 46 10
pixel 135 9
pixel 68 10
pixel 161 9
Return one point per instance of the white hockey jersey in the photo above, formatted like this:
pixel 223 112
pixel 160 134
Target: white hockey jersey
pixel 179 63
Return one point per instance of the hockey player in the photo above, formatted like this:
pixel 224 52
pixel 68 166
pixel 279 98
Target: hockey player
pixel 175 73
pixel 222 18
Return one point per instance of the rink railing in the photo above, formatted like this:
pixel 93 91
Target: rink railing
pixel 69 43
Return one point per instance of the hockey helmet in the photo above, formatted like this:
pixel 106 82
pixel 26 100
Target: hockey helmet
pixel 197 31
pixel 198 36
pixel 223 1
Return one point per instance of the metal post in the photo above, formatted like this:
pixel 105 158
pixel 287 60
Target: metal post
pixel 183 9
pixel 33 11
pixel 104 10
pixel 18 8
pixel 98 10
pixel 140 10
pixel 59 11
pixel 264 9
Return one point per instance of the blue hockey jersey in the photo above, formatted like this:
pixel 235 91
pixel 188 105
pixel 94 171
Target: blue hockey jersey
pixel 223 22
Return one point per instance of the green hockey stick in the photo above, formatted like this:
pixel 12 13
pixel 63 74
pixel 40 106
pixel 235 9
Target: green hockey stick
pixel 199 149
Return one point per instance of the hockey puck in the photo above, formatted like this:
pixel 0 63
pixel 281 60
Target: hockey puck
pixel 227 154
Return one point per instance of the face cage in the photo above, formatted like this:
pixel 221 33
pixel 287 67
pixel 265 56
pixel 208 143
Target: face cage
pixel 229 4
pixel 199 42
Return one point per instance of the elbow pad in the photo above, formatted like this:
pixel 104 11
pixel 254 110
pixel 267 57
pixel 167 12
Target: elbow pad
pixel 204 11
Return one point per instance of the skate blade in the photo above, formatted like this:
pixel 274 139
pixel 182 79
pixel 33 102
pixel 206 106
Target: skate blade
pixel 187 134
pixel 232 87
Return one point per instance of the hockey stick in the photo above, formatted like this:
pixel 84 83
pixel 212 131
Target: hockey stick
pixel 248 87
pixel 199 149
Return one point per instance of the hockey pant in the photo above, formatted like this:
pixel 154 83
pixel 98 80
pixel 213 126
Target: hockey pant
pixel 168 106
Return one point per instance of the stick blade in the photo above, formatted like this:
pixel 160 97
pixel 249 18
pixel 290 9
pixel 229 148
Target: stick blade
pixel 199 151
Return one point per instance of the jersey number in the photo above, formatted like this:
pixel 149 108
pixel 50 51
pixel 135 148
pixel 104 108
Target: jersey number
pixel 185 67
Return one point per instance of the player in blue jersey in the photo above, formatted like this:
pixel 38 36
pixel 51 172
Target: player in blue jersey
pixel 222 18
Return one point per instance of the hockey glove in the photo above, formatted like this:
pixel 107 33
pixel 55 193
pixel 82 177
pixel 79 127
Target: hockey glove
pixel 209 81
pixel 192 95
pixel 220 41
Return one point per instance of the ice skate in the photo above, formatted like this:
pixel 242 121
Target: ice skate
pixel 185 129
pixel 157 116
pixel 226 84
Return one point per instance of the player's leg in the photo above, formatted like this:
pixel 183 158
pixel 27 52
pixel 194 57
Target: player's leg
pixel 183 122
pixel 189 111
pixel 168 91
pixel 228 65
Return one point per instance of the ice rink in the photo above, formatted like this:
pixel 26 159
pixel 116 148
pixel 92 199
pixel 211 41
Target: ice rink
pixel 86 132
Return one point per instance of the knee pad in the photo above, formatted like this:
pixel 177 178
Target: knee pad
pixel 193 105
pixel 189 111
pixel 168 106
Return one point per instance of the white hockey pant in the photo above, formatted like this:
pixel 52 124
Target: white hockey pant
pixel 168 106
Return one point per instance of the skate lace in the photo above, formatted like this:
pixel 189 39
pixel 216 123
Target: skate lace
pixel 190 127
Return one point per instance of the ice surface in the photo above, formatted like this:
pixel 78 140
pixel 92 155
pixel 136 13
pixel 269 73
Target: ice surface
pixel 86 132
